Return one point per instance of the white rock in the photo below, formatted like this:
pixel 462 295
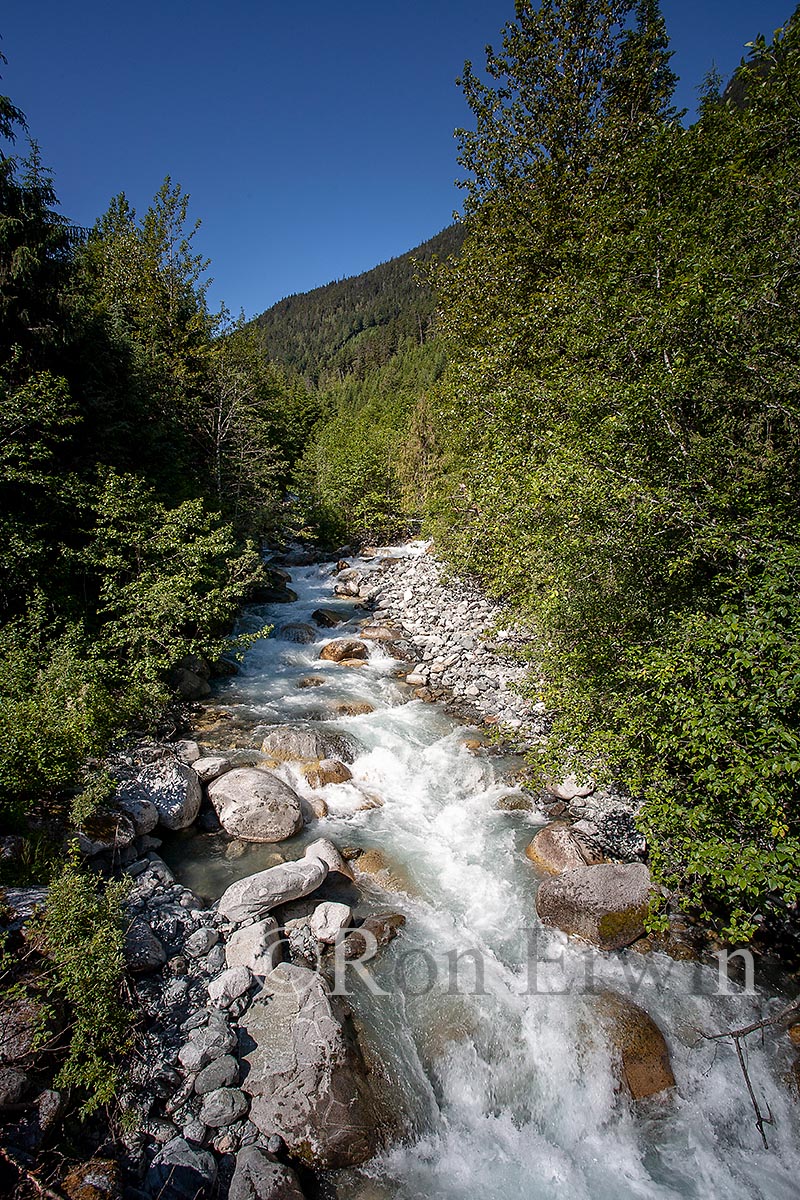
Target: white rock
pixel 211 766
pixel 328 919
pixel 229 986
pixel 255 946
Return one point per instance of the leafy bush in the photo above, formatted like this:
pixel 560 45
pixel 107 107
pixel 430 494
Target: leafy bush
pixel 84 938
pixel 56 708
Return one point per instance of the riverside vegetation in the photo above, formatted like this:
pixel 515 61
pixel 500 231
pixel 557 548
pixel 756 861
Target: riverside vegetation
pixel 600 424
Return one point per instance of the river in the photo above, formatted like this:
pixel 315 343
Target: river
pixel 511 1093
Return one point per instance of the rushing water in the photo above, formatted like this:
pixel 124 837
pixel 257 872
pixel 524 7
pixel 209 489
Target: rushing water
pixel 511 1093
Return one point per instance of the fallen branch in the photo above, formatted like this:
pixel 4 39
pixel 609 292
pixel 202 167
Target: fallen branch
pixel 30 1175
pixel 782 1017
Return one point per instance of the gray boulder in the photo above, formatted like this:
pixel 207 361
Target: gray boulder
pixel 558 848
pixel 255 946
pixel 305 743
pixel 221 1073
pixel 256 806
pixel 297 631
pixel 205 1045
pixel 144 952
pixel 259 1177
pixel 305 1073
pixel 258 894
pixel 211 766
pixel 329 919
pixel 229 986
pixel 605 904
pixel 182 1172
pixel 143 813
pixel 222 1107
pixel 172 787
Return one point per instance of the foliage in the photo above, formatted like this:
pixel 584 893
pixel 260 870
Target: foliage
pixel 358 475
pixel 83 937
pixel 355 326
pixel 56 708
pixel 619 428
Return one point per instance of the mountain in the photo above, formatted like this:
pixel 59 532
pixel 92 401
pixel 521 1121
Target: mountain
pixel 353 325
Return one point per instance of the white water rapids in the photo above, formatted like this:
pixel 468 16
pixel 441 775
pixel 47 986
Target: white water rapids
pixel 513 1093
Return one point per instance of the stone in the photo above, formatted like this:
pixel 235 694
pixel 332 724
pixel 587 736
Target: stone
pixel 211 766
pixel 187 750
pixel 172 787
pixel 605 905
pixel 514 802
pixel 327 617
pixel 643 1052
pixel 379 633
pixel 305 1072
pixel 255 946
pixel 353 708
pixel 570 789
pixel 558 848
pixel 304 743
pixel 344 649
pixel 314 808
pixel 106 831
pixel 24 902
pixel 144 952
pixel 256 806
pixel 188 685
pixel 382 927
pixel 327 770
pixel 229 986
pixel 143 813
pixel 297 631
pixel 311 681
pixel 182 1171
pixel 259 1177
pixel 20 1018
pixel 329 919
pixel 223 1106
pixel 331 855
pixel 200 942
pixel 221 1073
pixel 375 863
pixel 13 1086
pixel 256 895
pixel 204 1045
pixel 98 1179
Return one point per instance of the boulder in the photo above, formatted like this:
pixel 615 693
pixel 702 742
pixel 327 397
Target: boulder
pixel 311 681
pixel 375 863
pixel 143 813
pixel 353 708
pixel 20 1019
pixel 189 686
pixel 304 743
pixel 256 895
pixel 558 848
pixel 187 750
pixel 571 789
pixel 258 1176
pixel 98 1179
pixel 13 1086
pixel 379 633
pixel 221 1073
pixel 331 855
pixel 605 905
pixel 204 1045
pixel 229 986
pixel 328 920
pixel 643 1053
pixel 144 952
pixel 305 1072
pixel 222 1107
pixel 255 946
pixel 106 831
pixel 297 631
pixel 211 766
pixel 327 770
pixel 344 649
pixel 182 1171
pixel 255 805
pixel 172 787
pixel 198 944
pixel 327 617
pixel 383 927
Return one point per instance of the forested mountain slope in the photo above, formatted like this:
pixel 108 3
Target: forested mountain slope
pixel 352 325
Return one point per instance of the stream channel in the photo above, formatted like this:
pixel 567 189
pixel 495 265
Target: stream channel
pixel 511 1093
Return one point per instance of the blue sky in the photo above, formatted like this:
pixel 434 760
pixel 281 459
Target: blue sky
pixel 316 139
